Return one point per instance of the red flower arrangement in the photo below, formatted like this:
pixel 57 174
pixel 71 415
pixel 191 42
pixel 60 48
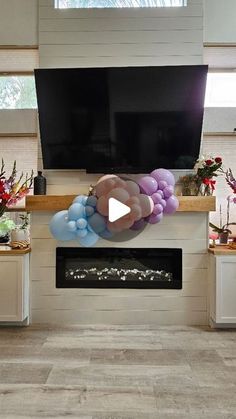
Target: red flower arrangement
pixel 206 171
pixel 11 189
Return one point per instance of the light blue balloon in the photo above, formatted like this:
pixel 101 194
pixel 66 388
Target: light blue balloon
pixel 97 222
pixel 76 211
pixel 92 201
pixel 90 228
pixel 82 233
pixel 59 226
pixel 89 210
pixel 81 223
pixel 80 199
pixel 89 240
pixel 71 225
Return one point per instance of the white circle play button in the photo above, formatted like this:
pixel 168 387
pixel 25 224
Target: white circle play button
pixel 117 210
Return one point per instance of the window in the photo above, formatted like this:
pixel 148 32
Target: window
pixel 86 4
pixel 17 92
pixel 221 90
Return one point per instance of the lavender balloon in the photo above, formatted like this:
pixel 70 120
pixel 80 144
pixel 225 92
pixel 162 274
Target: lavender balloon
pixel 138 225
pixel 163 175
pixel 154 218
pixel 172 204
pixel 148 185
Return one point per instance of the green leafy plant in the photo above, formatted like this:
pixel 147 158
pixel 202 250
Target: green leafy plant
pixel 6 225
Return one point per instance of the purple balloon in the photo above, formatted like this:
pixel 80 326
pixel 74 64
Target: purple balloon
pixel 172 204
pixel 158 209
pixel 148 185
pixel 168 191
pixel 163 174
pixel 154 218
pixel 163 184
pixel 156 197
pixel 138 225
pixel 160 193
pixel 163 203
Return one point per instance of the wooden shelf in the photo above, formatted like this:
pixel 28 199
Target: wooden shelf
pixel 8 251
pixel 222 250
pixel 52 203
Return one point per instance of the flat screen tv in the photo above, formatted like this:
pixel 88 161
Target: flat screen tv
pixel 121 119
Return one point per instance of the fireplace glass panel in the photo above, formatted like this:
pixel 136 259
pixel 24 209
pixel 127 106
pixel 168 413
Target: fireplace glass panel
pixel 118 268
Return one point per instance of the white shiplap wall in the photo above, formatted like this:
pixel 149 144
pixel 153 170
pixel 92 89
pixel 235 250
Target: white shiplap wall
pixel 115 38
pixel 123 306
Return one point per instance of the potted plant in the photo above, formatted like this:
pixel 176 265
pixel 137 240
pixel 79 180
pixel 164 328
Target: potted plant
pixel 223 230
pixel 6 226
pixel 21 231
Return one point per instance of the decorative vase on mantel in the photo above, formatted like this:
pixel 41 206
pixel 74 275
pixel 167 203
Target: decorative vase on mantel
pixel 224 237
pixel 40 184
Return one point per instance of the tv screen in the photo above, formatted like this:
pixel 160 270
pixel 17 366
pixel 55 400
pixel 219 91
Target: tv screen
pixel 124 119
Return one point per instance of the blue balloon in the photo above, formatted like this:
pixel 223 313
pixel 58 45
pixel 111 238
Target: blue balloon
pixel 71 225
pixel 97 222
pixel 76 211
pixel 81 223
pixel 82 233
pixel 92 201
pixel 89 210
pixel 59 226
pixel 80 199
pixel 89 240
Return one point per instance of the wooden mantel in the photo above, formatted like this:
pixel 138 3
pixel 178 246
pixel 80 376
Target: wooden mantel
pixel 61 202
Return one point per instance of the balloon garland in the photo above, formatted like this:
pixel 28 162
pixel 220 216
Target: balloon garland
pixel 87 218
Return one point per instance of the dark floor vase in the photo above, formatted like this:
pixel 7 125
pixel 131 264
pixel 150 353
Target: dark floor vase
pixel 118 268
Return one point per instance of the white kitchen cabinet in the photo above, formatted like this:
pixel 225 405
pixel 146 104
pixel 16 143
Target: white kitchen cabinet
pixel 222 286
pixel 14 288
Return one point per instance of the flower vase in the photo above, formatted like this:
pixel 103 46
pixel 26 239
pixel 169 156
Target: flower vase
pixel 205 190
pixel 223 237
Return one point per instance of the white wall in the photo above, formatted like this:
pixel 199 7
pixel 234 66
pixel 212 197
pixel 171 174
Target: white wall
pixel 124 306
pixel 110 37
pixel 219 21
pixel 18 22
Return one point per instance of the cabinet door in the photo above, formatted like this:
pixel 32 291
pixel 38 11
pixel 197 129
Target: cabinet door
pixel 226 289
pixel 11 288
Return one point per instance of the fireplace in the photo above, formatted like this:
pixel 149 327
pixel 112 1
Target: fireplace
pixel 118 268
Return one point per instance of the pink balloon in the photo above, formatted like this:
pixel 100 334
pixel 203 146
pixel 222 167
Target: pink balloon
pixel 172 204
pixel 146 204
pixel 105 177
pixel 168 191
pixel 102 205
pixel 136 212
pixel 156 197
pixel 120 194
pixel 154 219
pixel 125 223
pixel 132 200
pixel 158 209
pixel 148 185
pixel 163 174
pixel 105 184
pixel 132 188
pixel 120 183
pixel 113 227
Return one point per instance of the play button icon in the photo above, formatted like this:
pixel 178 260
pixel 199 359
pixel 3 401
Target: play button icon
pixel 117 210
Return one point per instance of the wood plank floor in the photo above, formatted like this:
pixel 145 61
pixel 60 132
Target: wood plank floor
pixel 117 372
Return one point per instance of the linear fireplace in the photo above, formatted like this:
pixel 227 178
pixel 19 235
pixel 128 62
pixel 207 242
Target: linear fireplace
pixel 118 268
